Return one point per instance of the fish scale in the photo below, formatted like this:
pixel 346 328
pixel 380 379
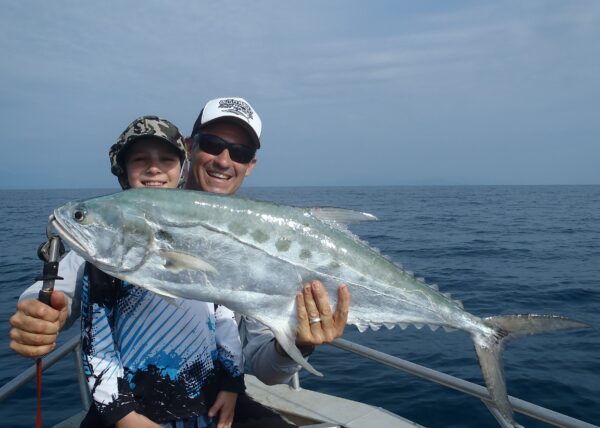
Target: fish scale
pixel 254 256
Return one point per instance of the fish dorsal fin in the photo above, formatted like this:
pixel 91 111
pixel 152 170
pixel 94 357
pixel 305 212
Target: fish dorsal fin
pixel 177 261
pixel 341 216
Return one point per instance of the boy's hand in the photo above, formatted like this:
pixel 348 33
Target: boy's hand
pixel 224 407
pixel 135 420
pixel 35 325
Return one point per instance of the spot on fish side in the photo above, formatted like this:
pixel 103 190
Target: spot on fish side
pixel 305 254
pixel 283 244
pixel 237 228
pixel 260 236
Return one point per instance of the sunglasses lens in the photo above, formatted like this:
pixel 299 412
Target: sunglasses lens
pixel 211 145
pixel 241 154
pixel 214 145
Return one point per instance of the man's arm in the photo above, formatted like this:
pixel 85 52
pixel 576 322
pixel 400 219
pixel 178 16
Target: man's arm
pixel 267 360
pixel 35 326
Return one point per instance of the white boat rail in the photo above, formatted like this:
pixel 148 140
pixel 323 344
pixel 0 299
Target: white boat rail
pixel 521 406
pixel 71 345
pixel 524 407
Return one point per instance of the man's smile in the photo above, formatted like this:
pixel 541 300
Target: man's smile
pixel 218 175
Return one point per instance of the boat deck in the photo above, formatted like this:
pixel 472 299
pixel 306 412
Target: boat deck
pixel 305 407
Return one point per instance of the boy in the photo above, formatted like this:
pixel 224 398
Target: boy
pixel 148 360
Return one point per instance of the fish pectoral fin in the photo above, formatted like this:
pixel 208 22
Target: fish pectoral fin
pixel 177 261
pixel 175 301
pixel 166 296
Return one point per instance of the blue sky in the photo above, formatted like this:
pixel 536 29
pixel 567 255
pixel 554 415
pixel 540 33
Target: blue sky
pixel 350 92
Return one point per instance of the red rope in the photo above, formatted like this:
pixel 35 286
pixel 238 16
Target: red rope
pixel 38 418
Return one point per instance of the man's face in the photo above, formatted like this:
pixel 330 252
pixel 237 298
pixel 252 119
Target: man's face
pixel 218 173
pixel 150 162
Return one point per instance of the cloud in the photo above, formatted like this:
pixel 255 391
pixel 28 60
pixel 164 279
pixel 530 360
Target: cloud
pixel 428 84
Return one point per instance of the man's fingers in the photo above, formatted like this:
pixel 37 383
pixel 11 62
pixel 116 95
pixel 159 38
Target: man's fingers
pixel 326 325
pixel 38 310
pixel 341 309
pixel 313 312
pixel 58 301
pixel 30 351
pixel 313 303
pixel 309 302
pixel 321 299
pixel 303 333
pixel 34 329
pixel 31 339
pixel 29 324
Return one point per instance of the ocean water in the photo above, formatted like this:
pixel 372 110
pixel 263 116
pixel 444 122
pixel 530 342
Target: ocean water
pixel 498 249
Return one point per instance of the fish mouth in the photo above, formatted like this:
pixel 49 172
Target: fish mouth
pixel 64 233
pixel 73 242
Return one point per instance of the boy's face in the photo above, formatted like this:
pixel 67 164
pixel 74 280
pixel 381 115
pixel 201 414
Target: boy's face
pixel 150 162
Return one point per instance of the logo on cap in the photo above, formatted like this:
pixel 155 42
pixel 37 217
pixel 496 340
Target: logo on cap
pixel 237 107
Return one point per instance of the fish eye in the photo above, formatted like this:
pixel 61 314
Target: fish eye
pixel 79 215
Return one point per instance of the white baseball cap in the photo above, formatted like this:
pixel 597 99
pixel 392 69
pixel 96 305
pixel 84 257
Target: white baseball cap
pixel 231 108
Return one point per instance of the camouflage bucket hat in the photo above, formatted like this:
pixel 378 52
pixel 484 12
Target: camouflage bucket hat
pixel 145 126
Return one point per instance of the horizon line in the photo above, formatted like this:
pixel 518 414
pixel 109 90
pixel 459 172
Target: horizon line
pixel 329 185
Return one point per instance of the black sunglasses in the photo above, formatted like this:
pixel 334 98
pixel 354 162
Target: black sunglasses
pixel 214 145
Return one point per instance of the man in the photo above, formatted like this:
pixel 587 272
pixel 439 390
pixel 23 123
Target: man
pixel 223 144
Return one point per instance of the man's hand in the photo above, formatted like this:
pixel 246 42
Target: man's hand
pixel 313 303
pixel 35 325
pixel 224 407
pixel 135 420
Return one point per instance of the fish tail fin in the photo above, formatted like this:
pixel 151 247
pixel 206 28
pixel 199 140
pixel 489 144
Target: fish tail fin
pixel 489 350
pixel 287 341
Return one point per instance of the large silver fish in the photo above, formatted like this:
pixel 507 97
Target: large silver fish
pixel 254 257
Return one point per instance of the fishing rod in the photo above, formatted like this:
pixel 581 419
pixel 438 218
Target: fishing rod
pixel 50 253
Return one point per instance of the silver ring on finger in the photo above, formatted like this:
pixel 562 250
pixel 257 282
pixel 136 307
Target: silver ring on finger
pixel 314 320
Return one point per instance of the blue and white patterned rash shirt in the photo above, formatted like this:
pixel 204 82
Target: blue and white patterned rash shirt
pixel 164 360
